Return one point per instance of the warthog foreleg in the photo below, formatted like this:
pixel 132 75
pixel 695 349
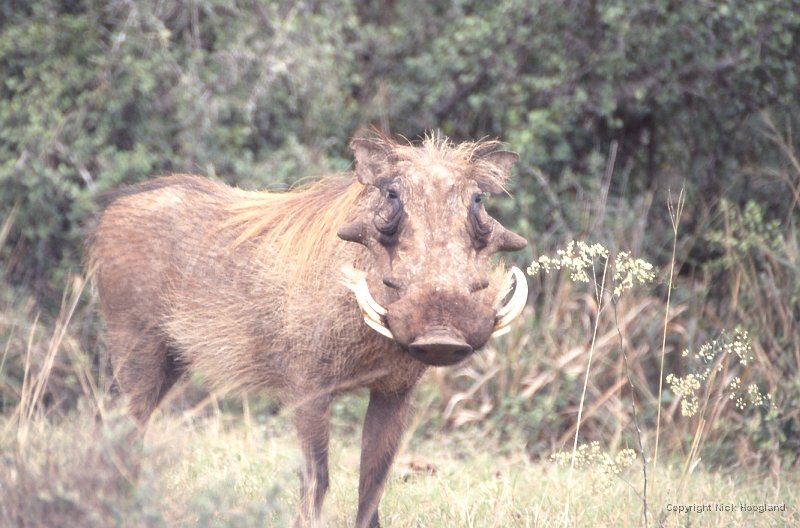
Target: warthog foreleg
pixel 312 419
pixel 383 427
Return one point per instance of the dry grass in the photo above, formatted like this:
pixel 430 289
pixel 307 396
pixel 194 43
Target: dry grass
pixel 219 471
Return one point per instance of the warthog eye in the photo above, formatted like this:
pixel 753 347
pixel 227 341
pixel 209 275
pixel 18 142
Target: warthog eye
pixel 389 217
pixel 479 222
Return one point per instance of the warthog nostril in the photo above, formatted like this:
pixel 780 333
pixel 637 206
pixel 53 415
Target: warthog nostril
pixel 462 352
pixel 391 282
pixel 439 350
pixel 444 349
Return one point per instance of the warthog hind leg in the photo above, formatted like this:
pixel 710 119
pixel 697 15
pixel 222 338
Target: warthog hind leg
pixel 143 368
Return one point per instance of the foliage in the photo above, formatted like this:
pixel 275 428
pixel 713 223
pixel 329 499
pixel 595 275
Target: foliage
pixel 610 105
pixel 96 94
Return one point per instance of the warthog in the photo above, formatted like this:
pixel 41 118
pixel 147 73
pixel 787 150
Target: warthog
pixel 341 284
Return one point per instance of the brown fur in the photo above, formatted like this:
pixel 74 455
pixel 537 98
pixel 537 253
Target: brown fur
pixel 244 289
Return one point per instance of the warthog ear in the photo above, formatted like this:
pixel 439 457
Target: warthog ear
pixel 371 157
pixel 504 160
pixel 493 169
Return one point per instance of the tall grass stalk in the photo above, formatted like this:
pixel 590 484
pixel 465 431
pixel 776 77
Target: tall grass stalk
pixel 785 146
pixel 7 223
pixel 675 212
pixel 692 457
pixel 5 229
pixel 34 385
pixel 599 293
pixel 635 416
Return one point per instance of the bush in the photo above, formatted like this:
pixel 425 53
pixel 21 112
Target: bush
pixel 101 93
pixel 610 105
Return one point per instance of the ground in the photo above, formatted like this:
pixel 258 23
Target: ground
pixel 236 469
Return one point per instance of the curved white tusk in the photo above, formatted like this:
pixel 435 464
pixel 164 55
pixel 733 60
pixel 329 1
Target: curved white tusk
pixel 515 305
pixel 365 299
pixel 378 327
pixel 355 281
pixel 501 331
pixel 373 312
pixel 517 302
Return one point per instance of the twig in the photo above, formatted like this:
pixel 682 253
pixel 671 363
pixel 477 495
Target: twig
pixel 600 306
pixel 606 184
pixel 635 415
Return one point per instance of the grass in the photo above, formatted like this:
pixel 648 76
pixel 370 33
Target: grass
pixel 220 470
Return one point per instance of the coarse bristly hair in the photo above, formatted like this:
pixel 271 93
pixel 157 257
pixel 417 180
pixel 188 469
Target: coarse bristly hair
pixel 470 156
pixel 300 225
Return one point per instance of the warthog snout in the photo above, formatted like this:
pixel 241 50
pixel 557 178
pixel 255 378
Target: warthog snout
pixel 439 327
pixel 440 349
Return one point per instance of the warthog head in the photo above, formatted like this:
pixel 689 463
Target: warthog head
pixel 430 286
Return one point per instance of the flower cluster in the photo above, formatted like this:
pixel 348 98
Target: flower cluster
pixel 629 271
pixel 753 395
pixel 712 356
pixel 739 344
pixel 686 389
pixel 577 258
pixel 602 465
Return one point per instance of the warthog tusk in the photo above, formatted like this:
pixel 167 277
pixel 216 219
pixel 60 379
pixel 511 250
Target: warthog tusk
pixel 374 314
pixel 515 305
pixel 367 302
pixel 501 331
pixel 378 327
